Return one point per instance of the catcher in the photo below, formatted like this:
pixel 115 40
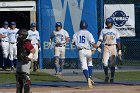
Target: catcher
pixel 25 53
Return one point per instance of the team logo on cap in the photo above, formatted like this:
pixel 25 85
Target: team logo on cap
pixel 119 18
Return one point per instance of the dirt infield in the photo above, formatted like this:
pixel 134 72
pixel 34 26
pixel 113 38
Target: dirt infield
pixel 96 89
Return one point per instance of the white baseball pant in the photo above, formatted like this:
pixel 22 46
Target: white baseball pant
pixel 85 58
pixel 35 58
pixel 60 52
pixel 5 49
pixel 13 51
pixel 109 54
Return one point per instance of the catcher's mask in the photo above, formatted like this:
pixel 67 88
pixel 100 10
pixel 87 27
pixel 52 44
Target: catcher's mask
pixel 22 34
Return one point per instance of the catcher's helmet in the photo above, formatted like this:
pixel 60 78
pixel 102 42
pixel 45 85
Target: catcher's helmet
pixel 109 20
pixel 22 34
pixel 83 24
pixel 58 24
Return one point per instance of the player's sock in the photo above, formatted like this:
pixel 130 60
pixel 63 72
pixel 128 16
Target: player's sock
pixel 106 71
pixel 12 64
pixel 61 65
pixel 15 62
pixel 90 71
pixel 4 61
pixel 112 72
pixel 57 66
pixel 4 64
pixel 86 73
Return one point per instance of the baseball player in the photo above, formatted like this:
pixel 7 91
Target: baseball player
pixel 61 37
pixel 83 40
pixel 4 43
pixel 12 35
pixel 25 51
pixel 109 36
pixel 33 35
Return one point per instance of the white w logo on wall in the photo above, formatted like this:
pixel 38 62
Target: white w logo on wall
pixel 60 7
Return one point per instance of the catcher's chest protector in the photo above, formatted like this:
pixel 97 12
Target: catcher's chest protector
pixel 22 53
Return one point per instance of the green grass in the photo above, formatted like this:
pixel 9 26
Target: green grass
pixel 122 76
pixel 35 77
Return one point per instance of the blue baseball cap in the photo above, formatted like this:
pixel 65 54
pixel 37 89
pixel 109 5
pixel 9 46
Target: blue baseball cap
pixel 5 23
pixel 58 24
pixel 109 20
pixel 33 24
pixel 83 24
pixel 13 23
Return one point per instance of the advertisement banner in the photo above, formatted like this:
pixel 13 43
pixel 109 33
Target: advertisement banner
pixel 123 16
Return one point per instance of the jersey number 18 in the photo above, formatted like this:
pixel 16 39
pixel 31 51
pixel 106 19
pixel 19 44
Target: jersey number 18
pixel 82 39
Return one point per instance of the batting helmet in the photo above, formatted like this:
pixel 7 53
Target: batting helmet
pixel 5 23
pixel 33 25
pixel 109 20
pixel 58 24
pixel 23 33
pixel 83 24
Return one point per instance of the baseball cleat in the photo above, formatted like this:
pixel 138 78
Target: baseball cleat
pixel 12 69
pixel 3 68
pixel 106 79
pixel 56 74
pixel 111 80
pixel 90 83
pixel 60 73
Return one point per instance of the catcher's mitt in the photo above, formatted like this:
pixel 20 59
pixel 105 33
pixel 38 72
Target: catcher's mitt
pixel 23 57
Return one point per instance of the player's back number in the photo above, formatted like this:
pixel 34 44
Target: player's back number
pixel 82 39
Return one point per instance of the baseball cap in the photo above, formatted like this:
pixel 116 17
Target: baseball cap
pixel 33 24
pixel 5 23
pixel 58 24
pixel 13 23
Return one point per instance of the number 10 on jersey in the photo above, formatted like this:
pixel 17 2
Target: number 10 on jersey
pixel 82 39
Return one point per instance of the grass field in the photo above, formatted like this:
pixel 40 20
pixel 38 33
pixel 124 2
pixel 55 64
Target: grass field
pixel 6 78
pixel 35 77
pixel 122 76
